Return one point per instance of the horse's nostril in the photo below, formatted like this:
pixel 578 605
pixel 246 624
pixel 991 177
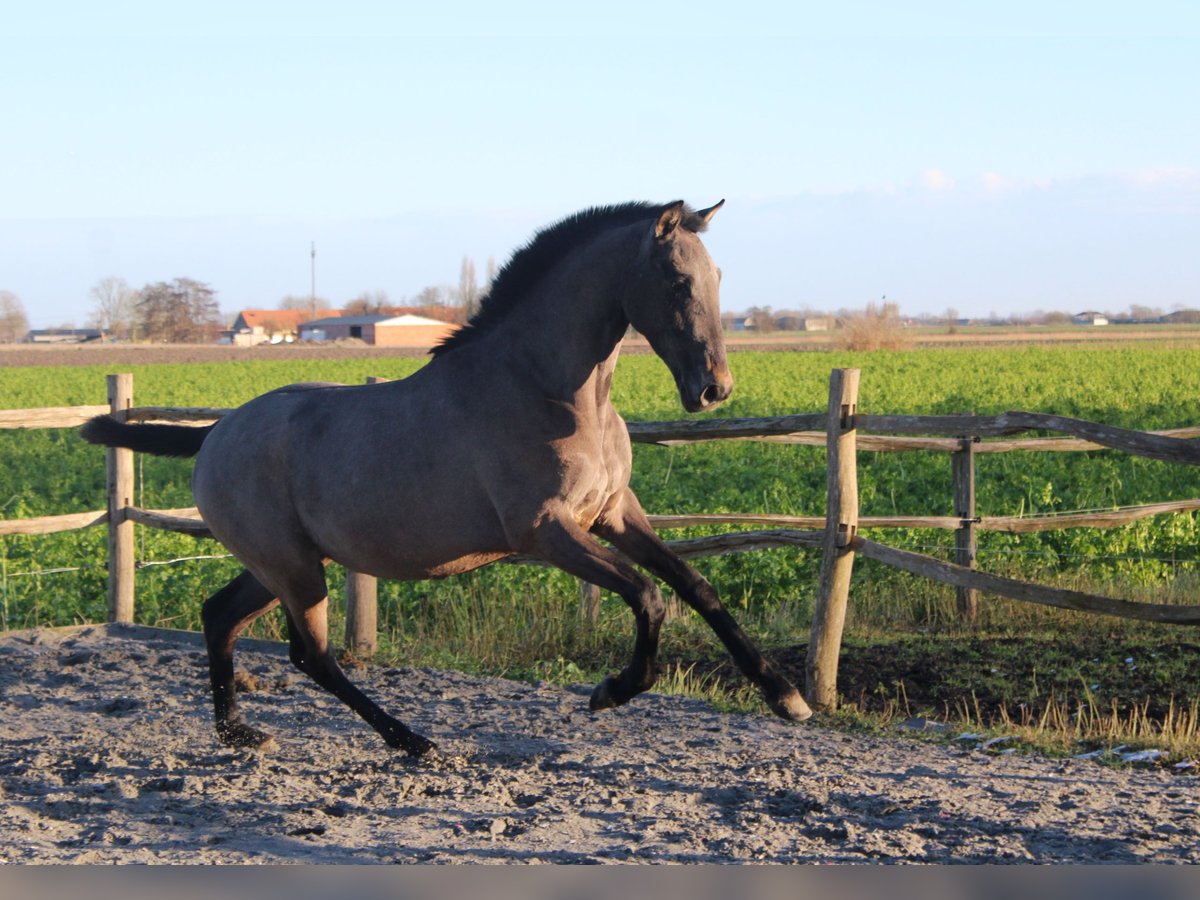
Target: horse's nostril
pixel 710 395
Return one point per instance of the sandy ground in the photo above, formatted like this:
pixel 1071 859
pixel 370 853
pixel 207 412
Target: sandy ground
pixel 107 755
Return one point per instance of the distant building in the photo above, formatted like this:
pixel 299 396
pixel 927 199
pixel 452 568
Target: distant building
pixel 1089 318
pixel 817 323
pixel 455 315
pixel 1182 317
pixel 63 336
pixel 270 326
pixel 743 323
pixel 380 331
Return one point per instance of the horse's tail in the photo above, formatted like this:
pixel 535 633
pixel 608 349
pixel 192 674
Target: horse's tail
pixel 159 440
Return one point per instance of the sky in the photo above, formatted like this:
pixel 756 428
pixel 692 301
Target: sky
pixel 998 158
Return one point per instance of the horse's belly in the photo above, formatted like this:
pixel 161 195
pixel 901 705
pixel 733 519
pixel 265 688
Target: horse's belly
pixel 462 564
pixel 413 566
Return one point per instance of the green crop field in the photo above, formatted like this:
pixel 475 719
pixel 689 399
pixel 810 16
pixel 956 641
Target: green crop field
pixel 48 472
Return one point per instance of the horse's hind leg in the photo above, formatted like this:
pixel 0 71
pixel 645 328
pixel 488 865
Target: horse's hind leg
pixel 225 614
pixel 308 633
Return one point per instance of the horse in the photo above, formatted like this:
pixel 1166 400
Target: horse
pixel 505 442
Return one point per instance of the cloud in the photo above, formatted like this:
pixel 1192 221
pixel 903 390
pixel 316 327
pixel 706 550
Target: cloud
pixel 936 180
pixel 994 182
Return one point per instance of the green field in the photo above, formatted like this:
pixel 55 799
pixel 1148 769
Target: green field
pixel 522 620
pixel 48 472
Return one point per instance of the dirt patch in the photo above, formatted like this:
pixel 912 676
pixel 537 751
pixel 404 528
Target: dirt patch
pixel 107 755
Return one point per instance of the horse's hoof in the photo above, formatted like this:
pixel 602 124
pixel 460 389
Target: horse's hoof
pixel 790 706
pixel 399 737
pixel 238 734
pixel 417 746
pixel 603 696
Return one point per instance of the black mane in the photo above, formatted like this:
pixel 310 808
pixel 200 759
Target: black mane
pixel 544 249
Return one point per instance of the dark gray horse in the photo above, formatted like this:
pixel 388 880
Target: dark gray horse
pixel 506 442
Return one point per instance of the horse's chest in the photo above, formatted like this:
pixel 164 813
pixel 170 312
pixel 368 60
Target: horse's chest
pixel 594 467
pixel 589 489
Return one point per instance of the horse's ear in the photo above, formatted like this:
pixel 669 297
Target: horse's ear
pixel 669 220
pixel 707 214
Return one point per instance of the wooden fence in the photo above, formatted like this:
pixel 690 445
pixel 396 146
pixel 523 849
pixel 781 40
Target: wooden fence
pixel 836 534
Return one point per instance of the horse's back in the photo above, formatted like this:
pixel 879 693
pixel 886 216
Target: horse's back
pixel 380 477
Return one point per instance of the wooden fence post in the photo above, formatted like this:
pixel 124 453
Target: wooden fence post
pixel 362 603
pixel 962 467
pixel 362 613
pixel 589 602
pixel 841 523
pixel 120 487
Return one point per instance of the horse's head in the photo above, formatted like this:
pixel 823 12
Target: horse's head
pixel 677 310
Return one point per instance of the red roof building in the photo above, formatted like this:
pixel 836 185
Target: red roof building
pixel 272 326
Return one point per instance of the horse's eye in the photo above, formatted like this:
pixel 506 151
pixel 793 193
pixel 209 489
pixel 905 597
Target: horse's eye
pixel 682 288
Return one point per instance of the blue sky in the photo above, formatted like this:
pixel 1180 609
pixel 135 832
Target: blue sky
pixel 991 159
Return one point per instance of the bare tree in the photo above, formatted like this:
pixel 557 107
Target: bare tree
pixel 951 318
pixel 368 303
pixel 878 327
pixel 179 311
pixel 433 295
pixel 761 318
pixel 1141 313
pixel 468 293
pixel 305 303
pixel 14 324
pixel 114 306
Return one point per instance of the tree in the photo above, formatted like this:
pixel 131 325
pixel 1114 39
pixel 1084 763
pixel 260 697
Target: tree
pixel 368 303
pixel 762 319
pixel 433 295
pixel 1056 318
pixel 1140 313
pixel 114 306
pixel 951 319
pixel 14 324
pixel 305 303
pixel 179 311
pixel 468 292
pixel 878 327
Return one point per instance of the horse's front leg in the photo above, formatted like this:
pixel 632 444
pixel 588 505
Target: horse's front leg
pixel 628 529
pixel 570 548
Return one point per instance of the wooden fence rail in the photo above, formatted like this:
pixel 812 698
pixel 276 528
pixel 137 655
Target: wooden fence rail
pixel 841 429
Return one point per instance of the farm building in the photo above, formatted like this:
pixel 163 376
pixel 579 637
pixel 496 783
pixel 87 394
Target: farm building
pixel 1090 318
pixel 816 323
pixel 63 335
pixel 1182 317
pixel 382 331
pixel 270 326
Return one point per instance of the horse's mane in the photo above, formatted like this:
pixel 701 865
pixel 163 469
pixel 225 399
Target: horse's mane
pixel 549 245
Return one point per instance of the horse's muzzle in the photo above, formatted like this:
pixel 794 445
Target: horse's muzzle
pixel 710 393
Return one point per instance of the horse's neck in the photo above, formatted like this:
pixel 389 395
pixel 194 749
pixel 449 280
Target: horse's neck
pixel 567 336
